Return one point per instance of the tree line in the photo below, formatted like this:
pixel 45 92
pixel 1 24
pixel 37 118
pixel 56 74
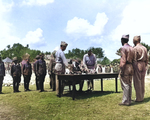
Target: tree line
pixel 18 50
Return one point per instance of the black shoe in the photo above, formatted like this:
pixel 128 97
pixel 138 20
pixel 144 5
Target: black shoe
pixel 18 91
pixel 28 90
pixel 1 93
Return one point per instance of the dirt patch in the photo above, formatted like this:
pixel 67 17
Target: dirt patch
pixel 8 113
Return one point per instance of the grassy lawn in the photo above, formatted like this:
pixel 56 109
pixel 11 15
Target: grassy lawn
pixel 96 105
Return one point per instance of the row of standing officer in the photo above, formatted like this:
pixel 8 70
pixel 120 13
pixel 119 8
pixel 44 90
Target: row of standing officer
pixel 26 70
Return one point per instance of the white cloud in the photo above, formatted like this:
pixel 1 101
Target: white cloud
pixel 37 2
pixel 97 40
pixel 33 37
pixel 135 21
pixel 57 48
pixel 6 27
pixel 5 7
pixel 81 27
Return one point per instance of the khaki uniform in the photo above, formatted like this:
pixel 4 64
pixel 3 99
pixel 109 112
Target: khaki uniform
pixel 126 72
pixel 51 72
pixel 140 63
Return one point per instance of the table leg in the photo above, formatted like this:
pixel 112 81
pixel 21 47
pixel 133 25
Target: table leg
pixel 101 84
pixel 116 84
pixel 60 89
pixel 74 90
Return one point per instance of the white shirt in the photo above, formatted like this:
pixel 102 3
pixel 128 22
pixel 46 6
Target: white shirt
pixel 60 57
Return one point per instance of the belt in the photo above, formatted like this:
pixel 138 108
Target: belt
pixel 140 61
pixel 128 62
pixel 90 65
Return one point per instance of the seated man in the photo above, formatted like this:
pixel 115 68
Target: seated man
pixel 74 68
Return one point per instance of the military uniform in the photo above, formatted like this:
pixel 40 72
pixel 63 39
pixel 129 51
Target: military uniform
pixel 27 71
pixel 16 75
pixel 2 74
pixel 61 62
pixel 34 69
pixel 139 64
pixel 51 72
pixel 126 70
pixel 41 73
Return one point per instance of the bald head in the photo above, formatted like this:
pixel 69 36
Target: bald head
pixel 136 40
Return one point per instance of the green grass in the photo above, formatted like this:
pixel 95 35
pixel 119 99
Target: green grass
pixel 97 105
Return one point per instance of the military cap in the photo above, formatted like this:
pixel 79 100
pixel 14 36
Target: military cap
pixel 125 36
pixel 137 38
pixel 63 43
pixel 37 57
pixel 14 59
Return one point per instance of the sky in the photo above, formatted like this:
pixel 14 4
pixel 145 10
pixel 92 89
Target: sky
pixel 43 24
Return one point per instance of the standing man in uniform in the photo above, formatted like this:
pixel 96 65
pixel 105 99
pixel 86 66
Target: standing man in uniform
pixel 41 72
pixel 2 73
pixel 89 60
pixel 51 70
pixel 34 69
pixel 140 63
pixel 27 72
pixel 16 74
pixel 126 70
pixel 61 62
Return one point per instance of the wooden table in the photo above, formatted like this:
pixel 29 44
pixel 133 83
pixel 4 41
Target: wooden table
pixel 74 78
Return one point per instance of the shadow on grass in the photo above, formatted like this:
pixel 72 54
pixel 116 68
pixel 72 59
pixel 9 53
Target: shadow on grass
pixel 87 94
pixel 143 102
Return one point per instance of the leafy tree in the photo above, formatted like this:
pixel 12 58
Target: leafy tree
pixel 105 61
pixel 47 53
pixel 118 52
pixel 98 52
pixel 115 61
pixel 77 53
pixel 146 45
pixel 18 50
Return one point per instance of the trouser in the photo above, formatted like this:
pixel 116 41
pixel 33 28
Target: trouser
pixel 139 80
pixel 41 82
pixel 57 85
pixel 126 85
pixel 1 82
pixel 37 82
pixel 90 84
pixel 52 81
pixel 26 81
pixel 16 81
